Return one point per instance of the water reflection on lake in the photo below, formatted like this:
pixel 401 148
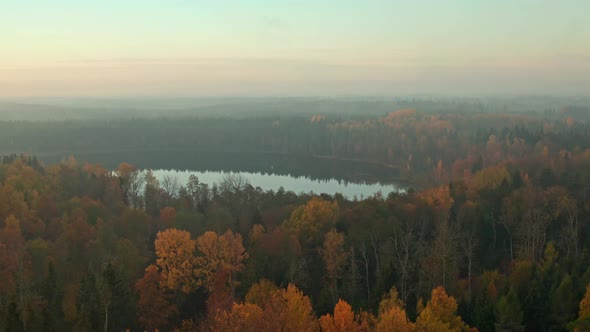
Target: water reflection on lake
pixel 296 184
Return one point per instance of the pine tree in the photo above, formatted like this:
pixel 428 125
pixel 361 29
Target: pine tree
pixel 52 312
pixel 509 313
pixel 483 313
pixel 89 317
pixel 563 303
pixel 115 299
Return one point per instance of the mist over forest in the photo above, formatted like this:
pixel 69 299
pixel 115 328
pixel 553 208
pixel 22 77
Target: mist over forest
pixel 105 108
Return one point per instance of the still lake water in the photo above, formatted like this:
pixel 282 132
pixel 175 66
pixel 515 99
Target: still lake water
pixel 289 183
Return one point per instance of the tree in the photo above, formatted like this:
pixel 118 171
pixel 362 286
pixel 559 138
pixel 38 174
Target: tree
pixel 241 318
pixel 8 270
pixel 116 299
pixel 154 307
pixel 352 281
pixel 390 300
pixel 175 258
pixel 167 216
pixel 131 183
pixel 532 210
pixel 570 232
pixel 440 261
pixel 395 320
pixel 233 189
pixel 583 321
pixel 509 313
pixel 311 220
pixel 585 304
pixel 233 183
pixel 199 193
pixel 483 311
pixel 405 242
pixel 440 314
pixel 288 309
pixel 89 316
pixel 392 316
pixel 223 254
pixel 220 296
pixel 468 240
pixel 261 292
pixel 170 185
pixel 343 319
pixel 13 259
pixel 297 313
pixel 563 302
pixel 335 257
pixel 151 193
pixel 53 299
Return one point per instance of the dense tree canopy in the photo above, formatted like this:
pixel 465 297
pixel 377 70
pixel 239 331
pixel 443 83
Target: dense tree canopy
pixel 494 238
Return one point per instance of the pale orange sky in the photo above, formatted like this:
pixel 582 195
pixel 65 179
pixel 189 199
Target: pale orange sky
pixel 211 48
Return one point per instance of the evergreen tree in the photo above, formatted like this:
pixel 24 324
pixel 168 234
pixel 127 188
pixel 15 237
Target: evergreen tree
pixel 116 299
pixel 89 317
pixel 535 305
pixel 52 312
pixel 483 313
pixel 563 303
pixel 509 313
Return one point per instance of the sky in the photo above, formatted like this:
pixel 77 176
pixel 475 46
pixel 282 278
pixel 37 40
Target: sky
pixel 293 48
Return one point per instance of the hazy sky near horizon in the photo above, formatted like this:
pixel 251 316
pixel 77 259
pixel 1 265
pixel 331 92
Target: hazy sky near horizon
pixel 300 47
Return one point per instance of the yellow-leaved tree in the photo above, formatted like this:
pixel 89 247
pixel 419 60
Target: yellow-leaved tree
pixel 335 257
pixel 439 315
pixel 223 254
pixel 308 222
pixel 583 321
pixel 392 316
pixel 175 257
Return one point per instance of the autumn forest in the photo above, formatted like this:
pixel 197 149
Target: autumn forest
pixel 491 233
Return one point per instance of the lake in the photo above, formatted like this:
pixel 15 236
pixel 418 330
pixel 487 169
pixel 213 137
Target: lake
pixel 297 184
pixel 269 171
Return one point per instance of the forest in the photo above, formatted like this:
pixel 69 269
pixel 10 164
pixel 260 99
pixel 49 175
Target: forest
pixel 492 236
pixel 423 147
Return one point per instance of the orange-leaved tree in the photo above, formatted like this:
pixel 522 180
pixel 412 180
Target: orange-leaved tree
pixel 154 307
pixel 583 321
pixel 585 304
pixel 440 314
pixel 241 318
pixel 175 257
pixel 287 309
pixel 343 319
